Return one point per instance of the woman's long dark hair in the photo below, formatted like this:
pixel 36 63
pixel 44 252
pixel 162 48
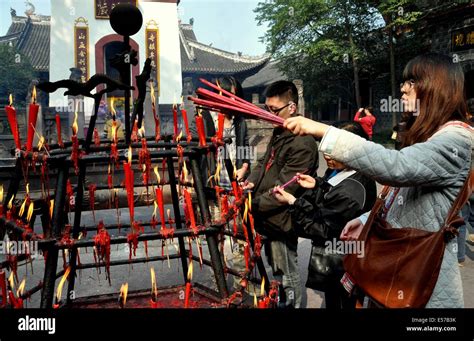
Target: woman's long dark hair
pixel 439 87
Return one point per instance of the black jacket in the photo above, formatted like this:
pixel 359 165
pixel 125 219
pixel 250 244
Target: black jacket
pixel 292 154
pixel 320 214
pixel 208 163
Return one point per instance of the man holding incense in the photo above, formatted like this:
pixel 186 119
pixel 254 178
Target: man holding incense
pixel 286 155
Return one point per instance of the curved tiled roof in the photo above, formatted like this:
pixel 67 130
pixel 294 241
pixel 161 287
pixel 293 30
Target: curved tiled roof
pixel 31 36
pixel 200 58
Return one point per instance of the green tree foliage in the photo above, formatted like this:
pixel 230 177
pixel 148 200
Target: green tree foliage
pixel 330 44
pixel 16 73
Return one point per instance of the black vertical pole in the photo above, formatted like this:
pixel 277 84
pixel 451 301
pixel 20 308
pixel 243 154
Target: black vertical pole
pixel 126 81
pixel 49 280
pixel 76 229
pixel 14 182
pixel 212 244
pixel 177 214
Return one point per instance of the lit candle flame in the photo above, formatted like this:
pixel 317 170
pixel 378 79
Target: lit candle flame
pixel 10 203
pixel 11 281
pixel 168 213
pixel 180 135
pixel 21 288
pixel 51 208
pixel 33 95
pixel 130 155
pixel 40 143
pixel 250 201
pixel 75 126
pixel 59 290
pixel 123 294
pixel 22 208
pixel 255 304
pixel 114 131
pixel 155 208
pixel 235 170
pixel 108 170
pixel 154 290
pixel 1 194
pixel 185 172
pixel 27 189
pixel 190 271
pixel 10 99
pixel 112 108
pixel 30 211
pixel 157 174
pixel 246 210
pixel 152 93
pixel 141 131
pixel 217 176
pixel 262 287
pixel 144 168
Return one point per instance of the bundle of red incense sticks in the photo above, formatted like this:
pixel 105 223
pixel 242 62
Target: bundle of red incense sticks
pixel 227 101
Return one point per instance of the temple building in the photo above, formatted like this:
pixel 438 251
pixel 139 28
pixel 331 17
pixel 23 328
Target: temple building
pixel 77 41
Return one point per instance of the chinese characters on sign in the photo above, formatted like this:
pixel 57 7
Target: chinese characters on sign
pixel 152 42
pixel 81 47
pixel 462 39
pixel 104 7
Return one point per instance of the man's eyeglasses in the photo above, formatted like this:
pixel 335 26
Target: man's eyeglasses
pixel 409 82
pixel 276 111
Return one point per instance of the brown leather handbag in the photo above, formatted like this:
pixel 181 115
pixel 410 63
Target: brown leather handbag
pixel 400 267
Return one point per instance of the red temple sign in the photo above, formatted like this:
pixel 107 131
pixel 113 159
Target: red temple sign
pixel 104 7
pixel 152 43
pixel 81 47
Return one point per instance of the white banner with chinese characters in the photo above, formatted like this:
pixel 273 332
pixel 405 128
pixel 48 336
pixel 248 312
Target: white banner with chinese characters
pixel 81 47
pixel 152 42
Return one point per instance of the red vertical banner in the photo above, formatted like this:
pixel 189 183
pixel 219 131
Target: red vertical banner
pixel 81 47
pixel 152 39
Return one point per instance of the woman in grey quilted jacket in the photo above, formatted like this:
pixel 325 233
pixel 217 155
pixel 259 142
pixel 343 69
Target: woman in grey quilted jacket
pixel 427 174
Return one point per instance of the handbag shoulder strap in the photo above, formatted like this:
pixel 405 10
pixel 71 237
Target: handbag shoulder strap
pixel 460 201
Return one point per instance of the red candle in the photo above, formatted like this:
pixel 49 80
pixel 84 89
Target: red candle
pixel 175 121
pixel 159 199
pixel 3 288
pixel 236 190
pixel 220 126
pixel 186 124
pixel 129 178
pixel 187 294
pixel 189 205
pixel 262 302
pixel 11 115
pixel 200 129
pixel 58 130
pixel 32 118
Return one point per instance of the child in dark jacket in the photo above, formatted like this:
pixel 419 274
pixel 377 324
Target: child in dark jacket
pixel 321 213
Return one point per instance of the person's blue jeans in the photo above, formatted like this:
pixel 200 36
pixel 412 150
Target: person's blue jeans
pixel 283 258
pixel 465 213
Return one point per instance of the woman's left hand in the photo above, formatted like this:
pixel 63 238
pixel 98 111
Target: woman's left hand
pixel 300 125
pixel 240 173
pixel 282 196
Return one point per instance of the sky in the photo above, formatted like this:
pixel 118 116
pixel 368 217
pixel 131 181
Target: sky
pixel 226 24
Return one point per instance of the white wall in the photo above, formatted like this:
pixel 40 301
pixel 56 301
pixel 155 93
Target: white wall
pixel 65 12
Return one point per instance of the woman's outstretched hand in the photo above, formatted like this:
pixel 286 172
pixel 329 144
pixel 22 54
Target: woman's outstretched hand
pixel 283 196
pixel 306 181
pixel 300 125
pixel 352 230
